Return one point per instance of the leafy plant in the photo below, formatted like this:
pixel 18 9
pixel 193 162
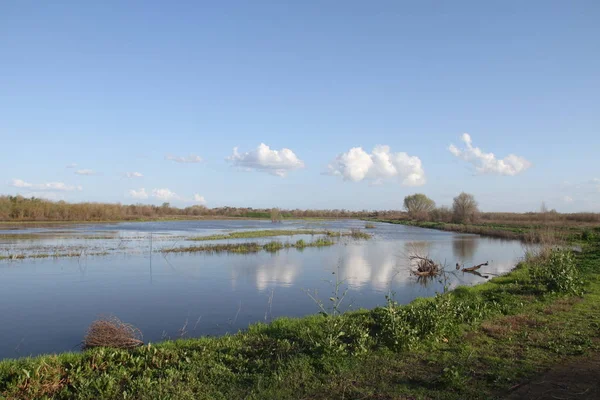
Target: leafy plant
pixel 558 273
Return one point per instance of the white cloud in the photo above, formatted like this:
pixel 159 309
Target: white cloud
pixel 199 199
pixel 187 159
pixel 487 162
pixel 49 186
pixel 138 194
pixel 165 194
pixel 134 174
pixel 85 172
pixel 568 199
pixel 275 162
pixel 357 165
pixel 72 165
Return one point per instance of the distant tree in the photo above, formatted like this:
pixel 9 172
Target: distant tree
pixel 464 208
pixel 275 215
pixel 418 206
pixel 441 214
pixel 543 208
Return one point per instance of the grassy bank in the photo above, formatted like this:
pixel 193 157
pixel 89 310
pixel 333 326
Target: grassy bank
pixel 538 233
pixel 474 342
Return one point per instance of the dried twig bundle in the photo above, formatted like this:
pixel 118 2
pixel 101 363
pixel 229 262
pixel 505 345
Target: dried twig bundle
pixel 112 332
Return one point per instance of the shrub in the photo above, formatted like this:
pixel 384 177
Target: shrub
pixel 558 272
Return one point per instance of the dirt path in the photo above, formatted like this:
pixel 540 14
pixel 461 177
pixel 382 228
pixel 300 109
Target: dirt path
pixel 576 380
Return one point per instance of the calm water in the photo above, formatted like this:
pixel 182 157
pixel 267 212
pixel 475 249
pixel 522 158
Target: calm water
pixel 47 304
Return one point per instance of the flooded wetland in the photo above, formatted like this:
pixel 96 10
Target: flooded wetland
pixel 193 278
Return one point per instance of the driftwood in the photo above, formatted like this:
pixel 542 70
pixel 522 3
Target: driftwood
pixel 112 332
pixel 425 266
pixel 474 268
pixel 478 274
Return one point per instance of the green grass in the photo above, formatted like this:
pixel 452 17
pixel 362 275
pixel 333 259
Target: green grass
pixel 259 234
pixel 251 247
pixel 471 343
pixel 279 232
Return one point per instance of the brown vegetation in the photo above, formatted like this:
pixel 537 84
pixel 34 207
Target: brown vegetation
pixel 112 332
pixel 18 208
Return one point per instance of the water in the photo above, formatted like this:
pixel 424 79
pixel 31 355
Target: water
pixel 47 304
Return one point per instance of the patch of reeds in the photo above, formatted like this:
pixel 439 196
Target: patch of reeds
pixel 259 234
pixel 112 332
pixel 252 247
pixel 370 225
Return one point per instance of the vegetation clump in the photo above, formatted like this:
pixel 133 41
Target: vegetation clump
pixel 250 247
pixel 259 234
pixel 112 332
pixel 558 272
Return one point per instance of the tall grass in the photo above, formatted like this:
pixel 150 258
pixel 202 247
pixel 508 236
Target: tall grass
pixel 252 247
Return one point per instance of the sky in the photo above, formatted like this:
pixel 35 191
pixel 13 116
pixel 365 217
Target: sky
pixel 312 104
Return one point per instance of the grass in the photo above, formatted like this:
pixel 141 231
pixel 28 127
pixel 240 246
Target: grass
pixel 280 232
pixel 471 343
pixel 259 234
pixel 252 247
pixel 23 256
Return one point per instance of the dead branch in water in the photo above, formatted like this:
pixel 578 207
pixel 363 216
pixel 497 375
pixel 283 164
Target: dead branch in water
pixel 425 266
pixel 475 267
pixel 112 332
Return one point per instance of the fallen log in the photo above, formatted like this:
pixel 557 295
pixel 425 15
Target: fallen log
pixel 474 268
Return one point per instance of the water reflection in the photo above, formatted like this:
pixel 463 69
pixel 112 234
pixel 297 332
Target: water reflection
pixel 464 247
pixel 278 270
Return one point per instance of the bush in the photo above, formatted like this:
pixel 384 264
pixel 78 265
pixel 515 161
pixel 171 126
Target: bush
pixel 558 273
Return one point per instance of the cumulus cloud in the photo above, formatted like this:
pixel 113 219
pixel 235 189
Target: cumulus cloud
pixel 487 163
pixel 72 165
pixel 138 194
pixel 49 186
pixel 85 172
pixel 357 165
pixel 263 159
pixel 165 194
pixel 192 158
pixel 199 199
pixel 133 174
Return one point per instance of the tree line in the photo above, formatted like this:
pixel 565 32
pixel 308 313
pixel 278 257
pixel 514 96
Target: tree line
pixel 465 209
pixel 19 208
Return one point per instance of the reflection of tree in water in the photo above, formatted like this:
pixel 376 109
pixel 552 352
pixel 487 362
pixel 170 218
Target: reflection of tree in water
pixel 464 247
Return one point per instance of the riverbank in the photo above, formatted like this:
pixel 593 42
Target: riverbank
pixel 538 233
pixel 473 342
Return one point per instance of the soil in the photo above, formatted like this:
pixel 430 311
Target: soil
pixel 578 379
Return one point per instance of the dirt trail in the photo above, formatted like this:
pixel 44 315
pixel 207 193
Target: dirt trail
pixel 575 380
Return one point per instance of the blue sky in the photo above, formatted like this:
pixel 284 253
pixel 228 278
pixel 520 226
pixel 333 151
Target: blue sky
pixel 122 87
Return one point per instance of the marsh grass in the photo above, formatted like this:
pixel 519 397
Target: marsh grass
pixel 252 247
pixel 259 234
pixel 280 232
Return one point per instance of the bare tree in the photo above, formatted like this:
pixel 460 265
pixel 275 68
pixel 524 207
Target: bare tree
pixel 418 206
pixel 464 208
